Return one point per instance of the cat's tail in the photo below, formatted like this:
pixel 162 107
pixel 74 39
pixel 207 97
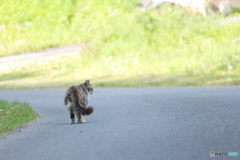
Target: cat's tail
pixel 88 110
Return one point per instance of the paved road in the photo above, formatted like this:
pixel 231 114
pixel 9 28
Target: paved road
pixel 130 124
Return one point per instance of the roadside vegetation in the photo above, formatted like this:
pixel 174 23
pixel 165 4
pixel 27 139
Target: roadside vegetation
pixel 121 46
pixel 14 115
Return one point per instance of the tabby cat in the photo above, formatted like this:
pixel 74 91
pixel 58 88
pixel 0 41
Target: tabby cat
pixel 76 100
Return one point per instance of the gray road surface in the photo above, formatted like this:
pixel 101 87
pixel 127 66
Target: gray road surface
pixel 129 124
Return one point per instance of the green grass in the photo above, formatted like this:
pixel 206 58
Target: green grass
pixel 125 47
pixel 14 115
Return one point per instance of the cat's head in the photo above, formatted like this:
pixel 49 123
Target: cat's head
pixel 88 86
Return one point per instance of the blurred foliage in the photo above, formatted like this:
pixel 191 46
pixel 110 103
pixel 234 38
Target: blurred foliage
pixel 168 48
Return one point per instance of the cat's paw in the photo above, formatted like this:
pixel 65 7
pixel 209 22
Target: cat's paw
pixel 71 122
pixel 83 120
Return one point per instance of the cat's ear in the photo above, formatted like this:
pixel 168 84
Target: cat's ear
pixel 86 83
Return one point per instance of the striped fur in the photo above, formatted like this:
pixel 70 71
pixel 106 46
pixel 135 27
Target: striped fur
pixel 77 100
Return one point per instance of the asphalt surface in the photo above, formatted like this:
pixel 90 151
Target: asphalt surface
pixel 129 124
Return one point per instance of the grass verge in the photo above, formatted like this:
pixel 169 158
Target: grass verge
pixel 14 115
